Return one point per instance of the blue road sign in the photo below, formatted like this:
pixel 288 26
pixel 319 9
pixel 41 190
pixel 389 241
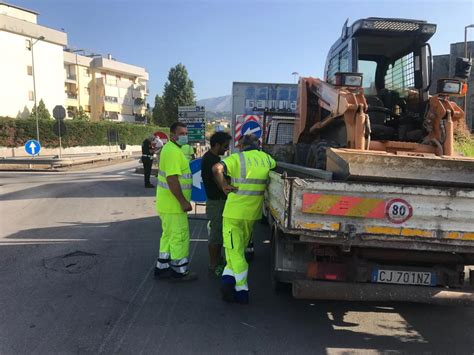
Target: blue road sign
pixel 198 193
pixel 251 127
pixel 32 147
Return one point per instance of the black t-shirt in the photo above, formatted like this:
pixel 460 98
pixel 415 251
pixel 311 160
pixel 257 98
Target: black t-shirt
pixel 213 192
pixel 147 149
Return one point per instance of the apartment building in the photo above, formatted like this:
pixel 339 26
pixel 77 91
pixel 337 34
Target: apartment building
pixel 36 60
pixel 104 87
pixel 31 61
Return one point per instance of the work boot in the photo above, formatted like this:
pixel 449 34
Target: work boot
pixel 187 276
pixel 227 292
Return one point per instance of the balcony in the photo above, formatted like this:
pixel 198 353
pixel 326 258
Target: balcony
pixel 71 96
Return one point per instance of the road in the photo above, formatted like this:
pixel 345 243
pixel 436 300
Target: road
pixel 77 250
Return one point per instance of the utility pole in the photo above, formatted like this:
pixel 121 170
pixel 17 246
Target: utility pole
pixel 34 82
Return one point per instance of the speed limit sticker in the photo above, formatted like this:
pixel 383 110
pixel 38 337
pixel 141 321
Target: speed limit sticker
pixel 398 210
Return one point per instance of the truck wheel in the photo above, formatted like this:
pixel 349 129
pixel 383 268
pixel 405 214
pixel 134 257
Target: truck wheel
pixel 317 155
pixel 277 285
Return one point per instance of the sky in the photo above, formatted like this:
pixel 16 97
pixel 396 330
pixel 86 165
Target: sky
pixel 224 41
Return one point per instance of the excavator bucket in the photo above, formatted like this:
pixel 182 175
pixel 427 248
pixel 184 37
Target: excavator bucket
pixel 410 168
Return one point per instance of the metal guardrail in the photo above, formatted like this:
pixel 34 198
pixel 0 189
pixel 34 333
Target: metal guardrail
pixel 56 162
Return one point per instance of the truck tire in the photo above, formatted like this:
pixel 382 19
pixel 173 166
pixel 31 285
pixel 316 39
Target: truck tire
pixel 277 285
pixel 317 154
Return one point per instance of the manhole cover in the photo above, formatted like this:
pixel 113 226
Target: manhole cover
pixel 72 263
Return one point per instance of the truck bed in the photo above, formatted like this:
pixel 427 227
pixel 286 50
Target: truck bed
pixel 374 215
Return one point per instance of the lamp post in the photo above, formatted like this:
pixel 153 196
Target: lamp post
pixel 295 75
pixel 34 82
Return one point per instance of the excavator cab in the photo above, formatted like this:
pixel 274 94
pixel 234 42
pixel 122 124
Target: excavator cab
pixel 374 99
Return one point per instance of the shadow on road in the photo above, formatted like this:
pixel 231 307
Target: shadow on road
pixel 111 302
pixel 83 188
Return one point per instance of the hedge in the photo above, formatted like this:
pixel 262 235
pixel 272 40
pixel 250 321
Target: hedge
pixel 15 132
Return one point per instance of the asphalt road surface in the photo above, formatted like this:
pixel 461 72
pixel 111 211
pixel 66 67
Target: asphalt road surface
pixel 77 250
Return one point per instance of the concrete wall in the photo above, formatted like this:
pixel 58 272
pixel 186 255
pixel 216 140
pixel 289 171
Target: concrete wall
pixel 440 70
pixel 20 152
pixel 457 50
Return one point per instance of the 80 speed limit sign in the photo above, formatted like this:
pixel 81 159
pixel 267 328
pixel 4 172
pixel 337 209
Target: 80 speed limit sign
pixel 398 210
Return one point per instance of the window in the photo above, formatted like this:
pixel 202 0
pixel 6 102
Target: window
pixel 87 73
pixel 338 63
pixel 31 96
pixel 29 70
pixel 28 44
pixel 110 99
pixel 400 75
pixel 368 68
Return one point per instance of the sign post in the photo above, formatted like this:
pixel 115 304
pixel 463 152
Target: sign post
pixel 59 113
pixel 194 118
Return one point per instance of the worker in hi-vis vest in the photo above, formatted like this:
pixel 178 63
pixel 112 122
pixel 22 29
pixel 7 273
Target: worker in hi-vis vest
pixel 248 171
pixel 173 194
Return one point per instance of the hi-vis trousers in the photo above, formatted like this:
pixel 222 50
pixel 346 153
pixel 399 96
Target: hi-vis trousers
pixel 236 236
pixel 174 243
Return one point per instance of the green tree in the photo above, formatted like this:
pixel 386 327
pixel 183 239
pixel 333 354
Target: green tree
pixel 80 114
pixel 43 113
pixel 179 91
pixel 158 112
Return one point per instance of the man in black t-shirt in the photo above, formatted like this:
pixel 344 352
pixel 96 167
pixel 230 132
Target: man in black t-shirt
pixel 215 197
pixel 147 159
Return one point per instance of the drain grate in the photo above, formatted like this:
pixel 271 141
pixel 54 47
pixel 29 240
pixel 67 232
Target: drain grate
pixel 72 263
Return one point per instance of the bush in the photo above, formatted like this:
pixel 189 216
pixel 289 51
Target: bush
pixel 15 132
pixel 464 144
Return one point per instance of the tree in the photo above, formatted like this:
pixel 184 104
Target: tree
pixel 178 91
pixel 43 113
pixel 158 113
pixel 80 114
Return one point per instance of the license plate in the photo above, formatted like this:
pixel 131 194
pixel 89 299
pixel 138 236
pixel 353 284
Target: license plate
pixel 422 278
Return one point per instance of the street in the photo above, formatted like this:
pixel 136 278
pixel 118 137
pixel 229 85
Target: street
pixel 77 252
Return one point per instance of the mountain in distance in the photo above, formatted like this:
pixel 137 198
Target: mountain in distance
pixel 217 104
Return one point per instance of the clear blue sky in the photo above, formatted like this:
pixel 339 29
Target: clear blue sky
pixel 224 41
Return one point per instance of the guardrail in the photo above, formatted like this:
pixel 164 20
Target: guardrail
pixel 56 162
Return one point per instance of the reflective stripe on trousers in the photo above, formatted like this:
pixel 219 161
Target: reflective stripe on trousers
pixel 179 266
pixel 163 261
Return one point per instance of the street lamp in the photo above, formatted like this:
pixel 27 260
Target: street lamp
pixel 295 75
pixel 34 82
pixel 465 56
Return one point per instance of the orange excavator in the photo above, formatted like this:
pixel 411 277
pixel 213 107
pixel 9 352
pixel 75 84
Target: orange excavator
pixel 372 117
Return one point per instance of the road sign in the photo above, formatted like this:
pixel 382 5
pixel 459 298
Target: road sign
pixel 198 193
pixel 194 118
pixel 59 112
pixel 112 135
pixel 59 128
pixel 162 135
pixel 252 127
pixel 32 147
